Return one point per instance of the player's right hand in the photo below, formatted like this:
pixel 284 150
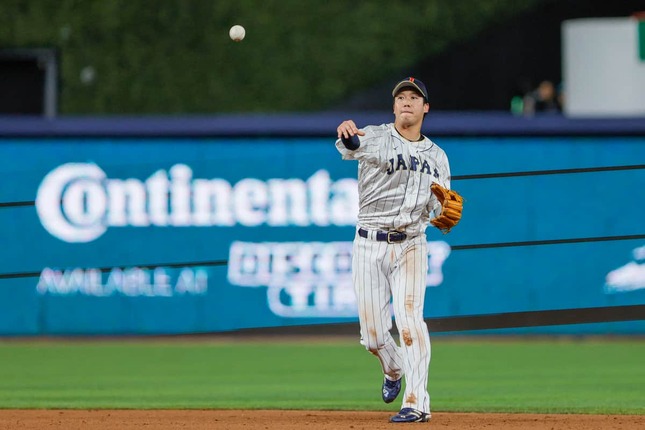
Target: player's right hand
pixel 348 129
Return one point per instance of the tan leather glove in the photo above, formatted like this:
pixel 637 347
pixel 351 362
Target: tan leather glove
pixel 452 205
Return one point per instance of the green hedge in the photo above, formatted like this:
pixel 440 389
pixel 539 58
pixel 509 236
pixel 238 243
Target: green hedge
pixel 175 56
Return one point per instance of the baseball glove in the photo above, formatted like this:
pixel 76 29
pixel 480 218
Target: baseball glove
pixel 452 205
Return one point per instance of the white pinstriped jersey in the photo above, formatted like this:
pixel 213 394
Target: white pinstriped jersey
pixel 394 179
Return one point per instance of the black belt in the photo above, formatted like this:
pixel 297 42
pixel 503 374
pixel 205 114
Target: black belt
pixel 384 236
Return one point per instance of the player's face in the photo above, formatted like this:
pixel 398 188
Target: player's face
pixel 409 107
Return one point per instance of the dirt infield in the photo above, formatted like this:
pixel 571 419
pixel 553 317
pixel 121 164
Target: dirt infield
pixel 295 420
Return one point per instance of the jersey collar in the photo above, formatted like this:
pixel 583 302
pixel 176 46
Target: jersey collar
pixel 396 134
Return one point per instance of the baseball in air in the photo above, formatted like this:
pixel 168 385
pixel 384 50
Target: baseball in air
pixel 237 33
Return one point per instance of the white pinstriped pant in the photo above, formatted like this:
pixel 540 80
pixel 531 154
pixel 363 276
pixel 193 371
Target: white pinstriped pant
pixel 396 271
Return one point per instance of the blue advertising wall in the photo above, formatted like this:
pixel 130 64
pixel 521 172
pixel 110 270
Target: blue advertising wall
pixel 159 235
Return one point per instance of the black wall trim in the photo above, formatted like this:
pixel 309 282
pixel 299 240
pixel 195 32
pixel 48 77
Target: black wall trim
pixel 472 322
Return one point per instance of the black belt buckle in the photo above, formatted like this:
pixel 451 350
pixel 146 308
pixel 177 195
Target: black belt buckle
pixel 390 241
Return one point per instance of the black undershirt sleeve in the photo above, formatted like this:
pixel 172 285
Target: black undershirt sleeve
pixel 352 143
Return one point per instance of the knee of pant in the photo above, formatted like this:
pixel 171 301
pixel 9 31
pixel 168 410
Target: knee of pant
pixel 373 351
pixel 372 345
pixel 410 309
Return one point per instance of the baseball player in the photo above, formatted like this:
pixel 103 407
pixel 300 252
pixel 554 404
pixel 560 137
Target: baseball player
pixel 403 179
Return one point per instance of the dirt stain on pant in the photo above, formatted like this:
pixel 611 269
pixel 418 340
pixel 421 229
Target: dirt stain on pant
pixel 406 336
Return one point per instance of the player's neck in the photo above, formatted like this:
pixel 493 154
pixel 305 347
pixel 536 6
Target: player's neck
pixel 412 133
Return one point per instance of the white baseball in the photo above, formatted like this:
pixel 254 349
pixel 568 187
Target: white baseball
pixel 237 33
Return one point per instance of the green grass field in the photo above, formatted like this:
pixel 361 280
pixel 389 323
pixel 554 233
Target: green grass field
pixel 484 375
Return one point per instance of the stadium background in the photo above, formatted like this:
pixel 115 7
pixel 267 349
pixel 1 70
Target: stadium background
pixel 273 247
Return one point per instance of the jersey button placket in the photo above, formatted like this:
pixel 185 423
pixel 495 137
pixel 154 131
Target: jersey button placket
pixel 413 187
